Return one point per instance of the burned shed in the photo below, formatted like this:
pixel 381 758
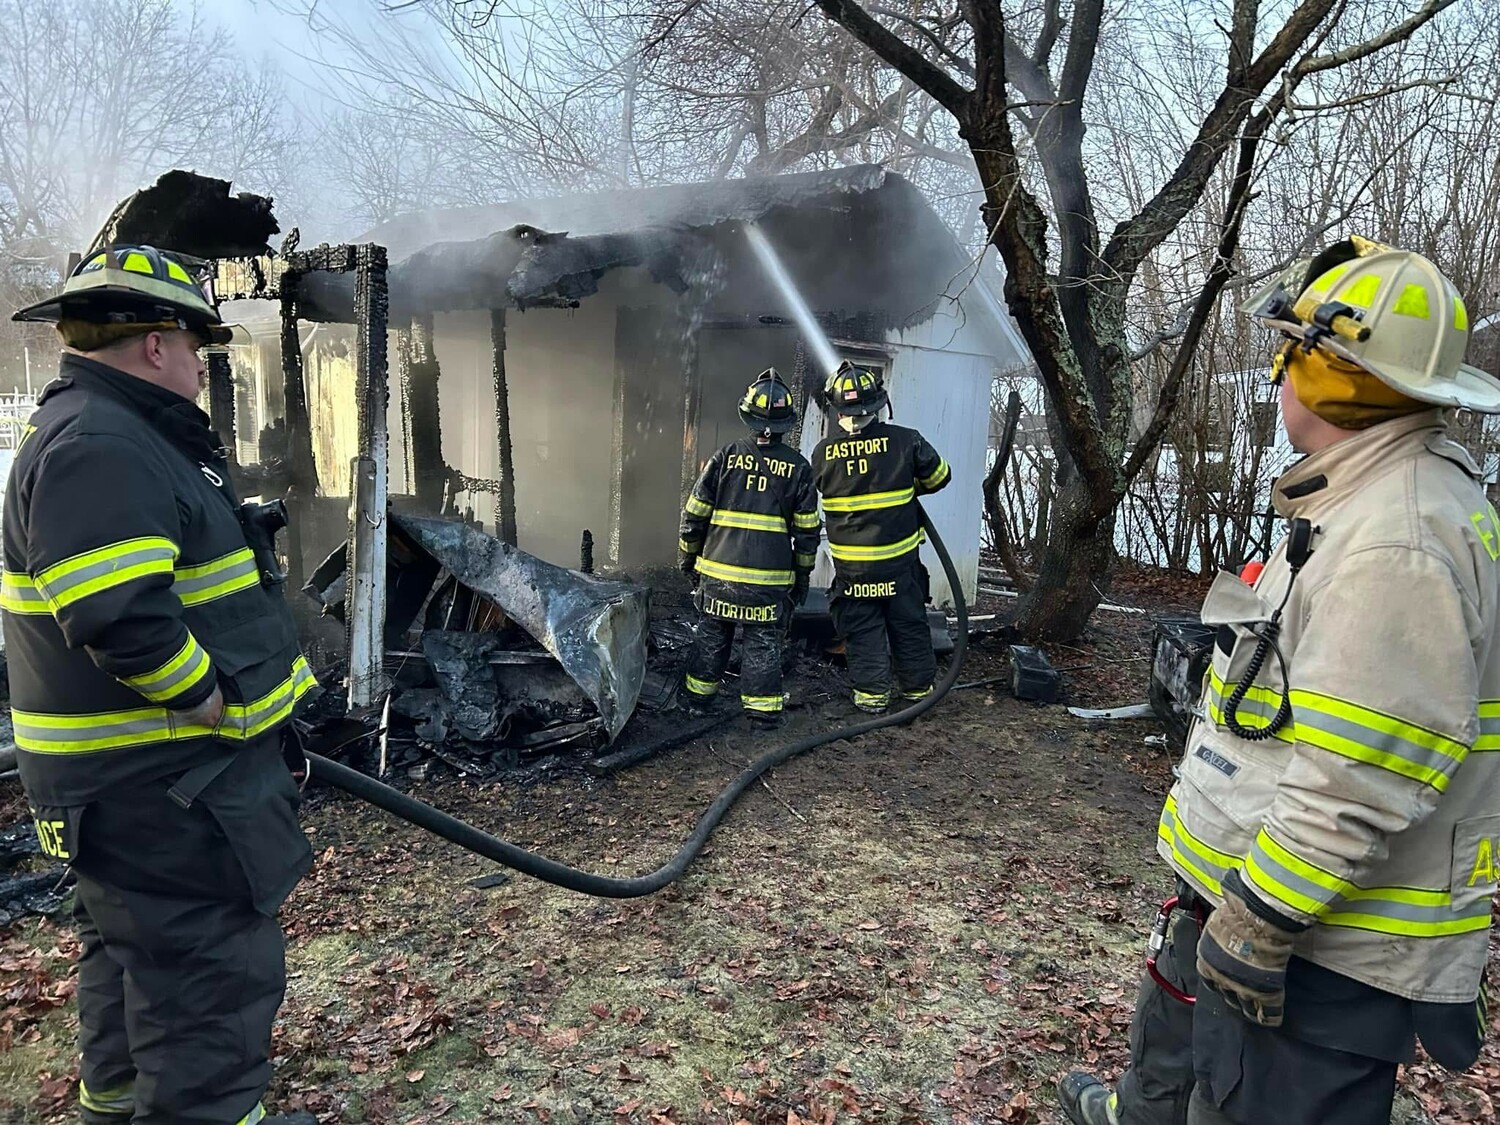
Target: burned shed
pixel 568 364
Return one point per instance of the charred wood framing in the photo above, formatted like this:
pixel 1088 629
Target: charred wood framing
pixel 221 399
pixel 505 499
pixel 424 420
pixel 302 469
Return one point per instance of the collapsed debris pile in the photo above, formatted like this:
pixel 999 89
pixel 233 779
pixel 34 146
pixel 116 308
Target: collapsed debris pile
pixel 491 651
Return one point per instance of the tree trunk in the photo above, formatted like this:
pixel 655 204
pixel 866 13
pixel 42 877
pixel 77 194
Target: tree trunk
pixel 1074 571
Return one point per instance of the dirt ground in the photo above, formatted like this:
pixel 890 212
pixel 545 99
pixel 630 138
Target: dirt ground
pixel 929 924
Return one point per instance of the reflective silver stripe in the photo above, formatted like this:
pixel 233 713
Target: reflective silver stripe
pixel 18 594
pixel 64 734
pixel 1209 864
pixel 1259 703
pixel 1385 748
pixel 195 585
pixel 749 521
pixel 1377 903
pixel 190 665
pixel 120 1099
pixel 84 734
pixel 104 569
pixel 1283 884
pixel 1489 726
pixel 869 501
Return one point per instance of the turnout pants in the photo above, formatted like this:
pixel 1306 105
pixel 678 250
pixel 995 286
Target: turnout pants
pixel 182 969
pixel 1206 1065
pixel 760 662
pixel 877 629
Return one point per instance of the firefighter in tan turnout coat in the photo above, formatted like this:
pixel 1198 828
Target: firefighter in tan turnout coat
pixel 1335 824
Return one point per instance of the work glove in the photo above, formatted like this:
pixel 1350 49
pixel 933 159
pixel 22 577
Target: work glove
pixel 688 564
pixel 800 586
pixel 1243 953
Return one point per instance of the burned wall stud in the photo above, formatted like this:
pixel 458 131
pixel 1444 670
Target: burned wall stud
pixel 221 399
pixel 425 463
pixel 505 500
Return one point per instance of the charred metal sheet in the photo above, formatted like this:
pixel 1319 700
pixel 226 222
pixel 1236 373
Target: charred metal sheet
pixel 488 694
pixel 39 893
pixel 595 628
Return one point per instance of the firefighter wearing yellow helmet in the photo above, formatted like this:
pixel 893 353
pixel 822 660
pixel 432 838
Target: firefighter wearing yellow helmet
pixel 154 668
pixel 1335 823
pixel 870 477
pixel 748 540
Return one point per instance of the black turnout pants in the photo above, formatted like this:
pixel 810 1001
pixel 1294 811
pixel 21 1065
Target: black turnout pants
pixel 877 630
pixel 760 661
pixel 182 969
pixel 1206 1065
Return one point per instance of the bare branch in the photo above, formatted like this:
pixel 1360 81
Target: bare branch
pixel 1047 39
pixel 947 52
pixel 905 58
pixel 1372 95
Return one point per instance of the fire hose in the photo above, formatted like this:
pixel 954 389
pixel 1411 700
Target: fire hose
pixel 476 840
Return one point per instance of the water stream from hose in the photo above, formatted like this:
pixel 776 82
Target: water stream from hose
pixel 823 354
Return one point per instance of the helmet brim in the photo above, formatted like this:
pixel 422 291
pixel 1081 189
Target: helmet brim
pixel 861 409
pixel 1468 388
pixel 761 425
pixel 95 304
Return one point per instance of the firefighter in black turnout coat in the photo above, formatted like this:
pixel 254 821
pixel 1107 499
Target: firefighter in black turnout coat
pixel 750 536
pixel 870 477
pixel 153 669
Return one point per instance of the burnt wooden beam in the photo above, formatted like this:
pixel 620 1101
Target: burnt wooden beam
pixel 505 500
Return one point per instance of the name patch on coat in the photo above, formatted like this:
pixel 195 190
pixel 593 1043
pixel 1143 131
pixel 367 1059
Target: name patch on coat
pixel 1218 761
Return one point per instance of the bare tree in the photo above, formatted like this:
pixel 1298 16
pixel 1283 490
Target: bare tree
pixel 97 98
pixel 1074 314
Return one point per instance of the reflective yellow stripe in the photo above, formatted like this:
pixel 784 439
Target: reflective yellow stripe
pixel 1208 865
pixel 804 562
pixel 688 548
pixel 748 521
pixel 747 574
pixel 1286 878
pixel 115 730
pixel 210 581
pixel 699 507
pixel 923 694
pixel 183 672
pixel 765 703
pixel 1489 726
pixel 118 1099
pixel 103 569
pixel 806 521
pixel 701 687
pixel 1255 711
pixel 874 554
pixel 869 501
pixel 256 1115
pixel 937 476
pixel 18 594
pixel 1377 739
pixel 872 699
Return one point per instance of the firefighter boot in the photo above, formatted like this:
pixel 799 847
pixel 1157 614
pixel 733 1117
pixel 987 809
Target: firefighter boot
pixel 1086 1100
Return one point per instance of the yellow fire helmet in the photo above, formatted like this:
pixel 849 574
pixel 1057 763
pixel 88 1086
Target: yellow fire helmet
pixel 133 285
pixel 1391 312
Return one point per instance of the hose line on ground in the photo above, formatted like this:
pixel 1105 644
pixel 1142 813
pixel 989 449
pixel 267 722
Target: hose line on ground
pixel 466 836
